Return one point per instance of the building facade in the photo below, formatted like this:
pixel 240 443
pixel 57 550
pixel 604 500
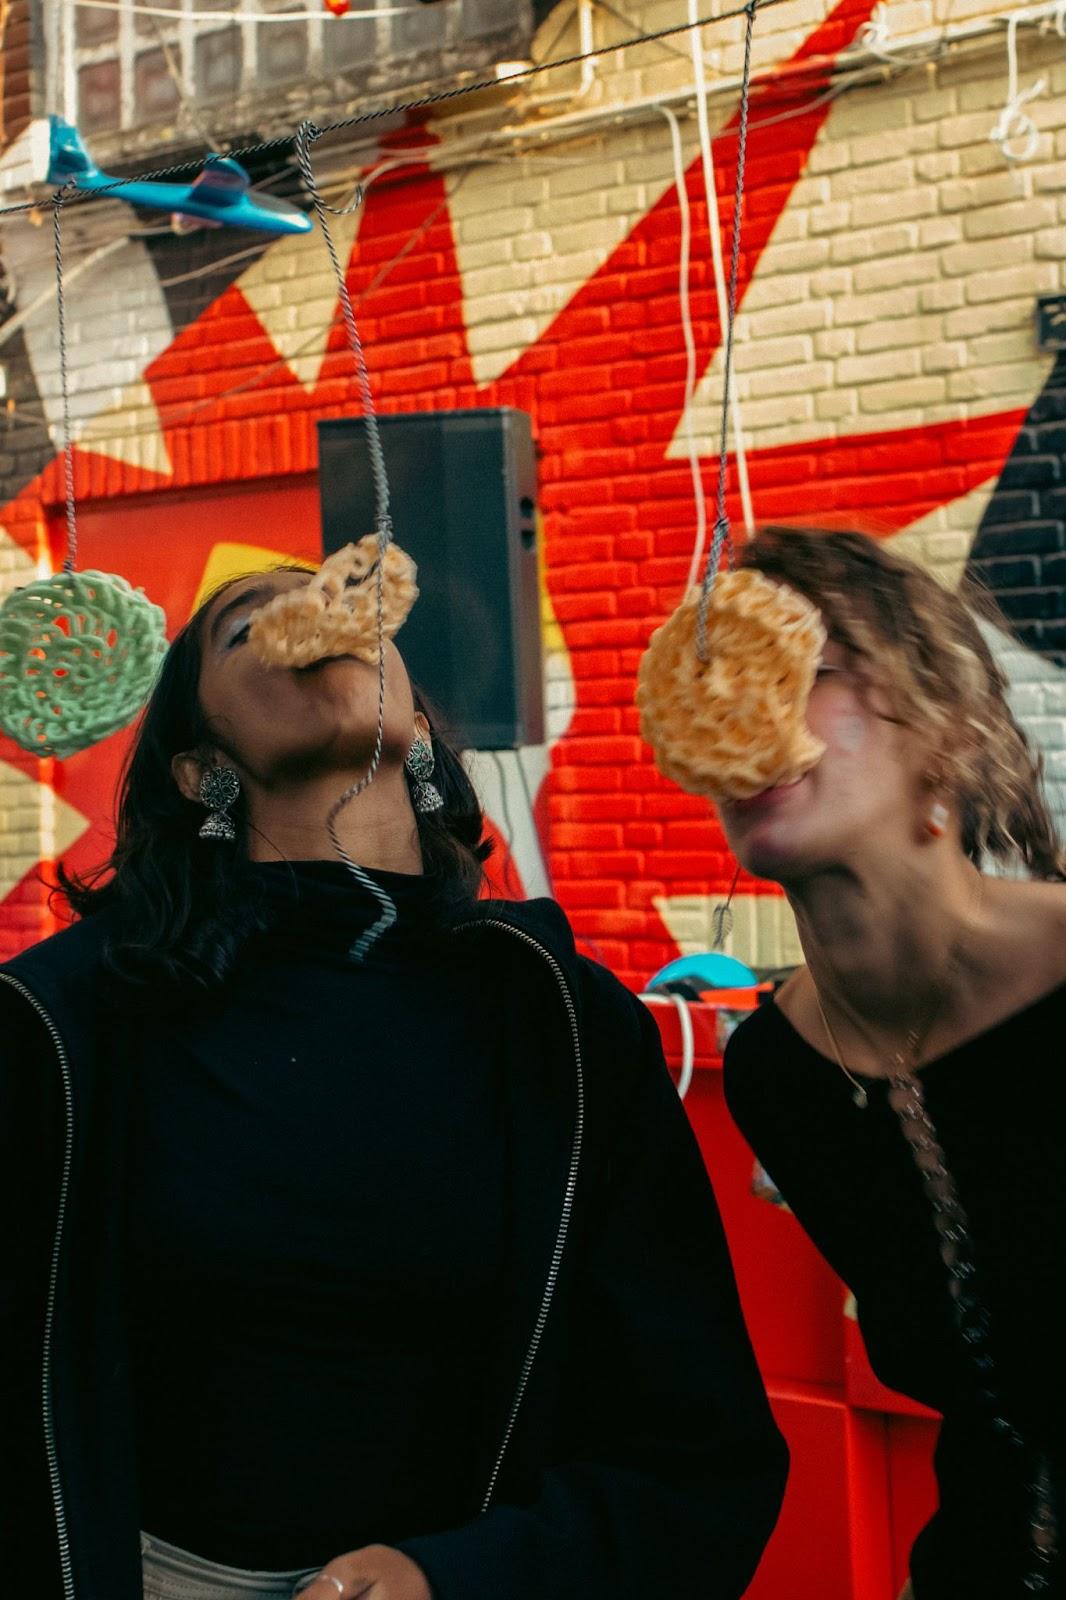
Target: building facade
pixel 526 245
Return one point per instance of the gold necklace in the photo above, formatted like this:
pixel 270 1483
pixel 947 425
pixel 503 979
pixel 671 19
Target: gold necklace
pixel 860 1096
pixel 905 1061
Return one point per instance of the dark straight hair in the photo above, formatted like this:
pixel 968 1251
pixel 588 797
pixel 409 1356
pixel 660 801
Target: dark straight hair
pixel 182 911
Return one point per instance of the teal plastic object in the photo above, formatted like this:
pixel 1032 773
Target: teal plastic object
pixel 711 969
pixel 79 655
pixel 221 196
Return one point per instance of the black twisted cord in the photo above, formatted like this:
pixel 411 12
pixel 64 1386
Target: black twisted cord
pixel 58 201
pixel 403 107
pixel 306 136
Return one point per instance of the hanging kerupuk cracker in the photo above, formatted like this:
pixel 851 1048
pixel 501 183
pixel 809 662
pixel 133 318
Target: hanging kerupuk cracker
pixel 79 651
pixel 729 722
pixel 336 613
pixel 360 595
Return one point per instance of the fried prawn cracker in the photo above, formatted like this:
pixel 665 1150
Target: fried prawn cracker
pixel 337 612
pixel 735 725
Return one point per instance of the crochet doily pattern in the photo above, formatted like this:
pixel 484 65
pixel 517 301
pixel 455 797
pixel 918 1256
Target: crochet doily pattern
pixel 79 654
pixel 735 725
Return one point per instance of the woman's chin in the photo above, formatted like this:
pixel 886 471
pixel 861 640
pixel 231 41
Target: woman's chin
pixel 774 864
pixel 768 848
pixel 766 831
pixel 338 743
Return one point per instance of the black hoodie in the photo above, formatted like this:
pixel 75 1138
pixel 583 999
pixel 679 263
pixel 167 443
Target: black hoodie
pixel 628 1447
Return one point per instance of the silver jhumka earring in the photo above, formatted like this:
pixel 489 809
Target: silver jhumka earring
pixel 420 764
pixel 219 788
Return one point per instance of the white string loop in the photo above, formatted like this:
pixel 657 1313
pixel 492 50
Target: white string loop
pixel 1013 123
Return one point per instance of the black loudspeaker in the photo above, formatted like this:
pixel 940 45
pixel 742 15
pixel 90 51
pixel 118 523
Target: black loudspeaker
pixel 463 490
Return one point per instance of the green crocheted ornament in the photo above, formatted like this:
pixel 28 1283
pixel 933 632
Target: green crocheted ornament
pixel 79 654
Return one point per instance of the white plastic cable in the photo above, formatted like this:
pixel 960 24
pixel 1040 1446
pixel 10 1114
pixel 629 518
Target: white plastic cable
pixel 586 47
pixel 688 1037
pixel 875 38
pixel 717 261
pixel 1013 123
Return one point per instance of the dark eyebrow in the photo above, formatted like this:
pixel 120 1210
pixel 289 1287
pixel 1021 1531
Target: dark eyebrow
pixel 249 597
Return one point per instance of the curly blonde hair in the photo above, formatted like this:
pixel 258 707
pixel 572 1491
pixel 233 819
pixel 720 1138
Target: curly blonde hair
pixel 921 645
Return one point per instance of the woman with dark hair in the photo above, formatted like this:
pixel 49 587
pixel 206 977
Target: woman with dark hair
pixel 904 1090
pixel 398 1277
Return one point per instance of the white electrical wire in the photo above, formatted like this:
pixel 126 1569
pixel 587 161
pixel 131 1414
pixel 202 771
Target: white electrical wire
pixel 688 1038
pixel 690 342
pixel 715 228
pixel 433 154
pixel 875 38
pixel 1013 123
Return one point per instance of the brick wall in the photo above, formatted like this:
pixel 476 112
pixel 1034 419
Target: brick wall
pixel 17 83
pixel 887 377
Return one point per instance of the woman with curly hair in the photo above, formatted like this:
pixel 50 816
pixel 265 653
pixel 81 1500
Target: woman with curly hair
pixel 905 1090
pixel 396 1277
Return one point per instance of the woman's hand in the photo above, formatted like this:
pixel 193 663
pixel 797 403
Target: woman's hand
pixel 376 1573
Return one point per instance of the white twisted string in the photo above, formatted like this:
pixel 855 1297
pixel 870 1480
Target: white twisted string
pixel 305 138
pixel 64 381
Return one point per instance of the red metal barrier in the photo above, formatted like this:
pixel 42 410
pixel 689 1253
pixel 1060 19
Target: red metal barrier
pixel 861 1483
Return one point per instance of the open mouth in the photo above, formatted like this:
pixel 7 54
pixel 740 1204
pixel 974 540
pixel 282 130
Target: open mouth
pixel 324 661
pixel 767 798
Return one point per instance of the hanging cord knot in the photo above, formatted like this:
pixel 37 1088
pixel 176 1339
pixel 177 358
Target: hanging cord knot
pixel 722 916
pixel 719 539
pixel 1013 124
pixel 307 134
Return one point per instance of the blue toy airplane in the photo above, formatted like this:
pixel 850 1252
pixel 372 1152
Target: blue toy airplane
pixel 219 196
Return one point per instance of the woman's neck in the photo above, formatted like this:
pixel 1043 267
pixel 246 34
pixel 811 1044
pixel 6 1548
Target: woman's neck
pixel 880 937
pixel 378 829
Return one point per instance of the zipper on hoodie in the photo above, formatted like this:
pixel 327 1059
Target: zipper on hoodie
pixel 554 1266
pixel 53 1278
pixel 568 1194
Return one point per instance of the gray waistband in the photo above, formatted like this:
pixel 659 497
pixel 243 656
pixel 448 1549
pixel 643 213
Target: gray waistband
pixel 173 1574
